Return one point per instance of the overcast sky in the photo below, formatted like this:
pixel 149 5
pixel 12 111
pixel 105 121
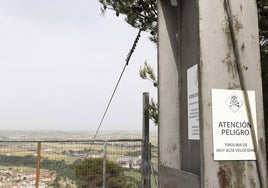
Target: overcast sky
pixel 59 63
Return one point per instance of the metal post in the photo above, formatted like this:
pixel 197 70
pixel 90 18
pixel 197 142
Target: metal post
pixel 104 164
pixel 37 178
pixel 145 175
pixel 151 166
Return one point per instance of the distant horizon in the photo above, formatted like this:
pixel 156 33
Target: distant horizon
pixel 77 130
pixel 72 135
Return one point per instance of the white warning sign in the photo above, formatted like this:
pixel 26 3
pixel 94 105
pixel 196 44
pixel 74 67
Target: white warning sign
pixel 231 127
pixel 193 103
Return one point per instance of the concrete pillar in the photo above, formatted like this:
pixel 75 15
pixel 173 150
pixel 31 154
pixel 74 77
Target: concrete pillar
pixel 218 70
pixel 169 81
pixel 198 33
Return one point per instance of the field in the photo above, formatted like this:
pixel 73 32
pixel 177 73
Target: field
pixel 61 150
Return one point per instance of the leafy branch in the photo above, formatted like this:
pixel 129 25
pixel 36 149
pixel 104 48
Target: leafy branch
pixel 139 14
pixel 147 73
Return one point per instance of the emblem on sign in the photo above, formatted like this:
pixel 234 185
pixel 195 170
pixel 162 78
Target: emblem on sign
pixel 234 102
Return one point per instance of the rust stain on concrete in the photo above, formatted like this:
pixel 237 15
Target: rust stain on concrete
pixel 239 170
pixel 252 183
pixel 222 177
pixel 233 86
pixel 170 185
pixel 228 59
pixel 231 174
pixel 237 25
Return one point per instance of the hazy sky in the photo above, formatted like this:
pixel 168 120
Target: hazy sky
pixel 59 63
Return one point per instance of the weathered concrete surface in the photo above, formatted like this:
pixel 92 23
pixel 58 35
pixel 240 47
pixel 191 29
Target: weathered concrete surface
pixel 168 93
pixel 189 56
pixel 218 70
pixel 197 32
pixel 173 178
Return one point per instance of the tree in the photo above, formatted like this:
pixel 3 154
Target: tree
pixel 142 14
pixel 147 73
pixel 89 173
pixel 56 183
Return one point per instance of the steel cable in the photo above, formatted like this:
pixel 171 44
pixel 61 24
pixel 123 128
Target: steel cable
pixel 243 88
pixel 116 86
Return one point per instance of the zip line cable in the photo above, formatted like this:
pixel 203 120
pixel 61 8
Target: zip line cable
pixel 243 87
pixel 116 86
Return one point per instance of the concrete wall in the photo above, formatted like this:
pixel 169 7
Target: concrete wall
pixel 189 56
pixel 218 70
pixel 197 32
pixel 169 84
